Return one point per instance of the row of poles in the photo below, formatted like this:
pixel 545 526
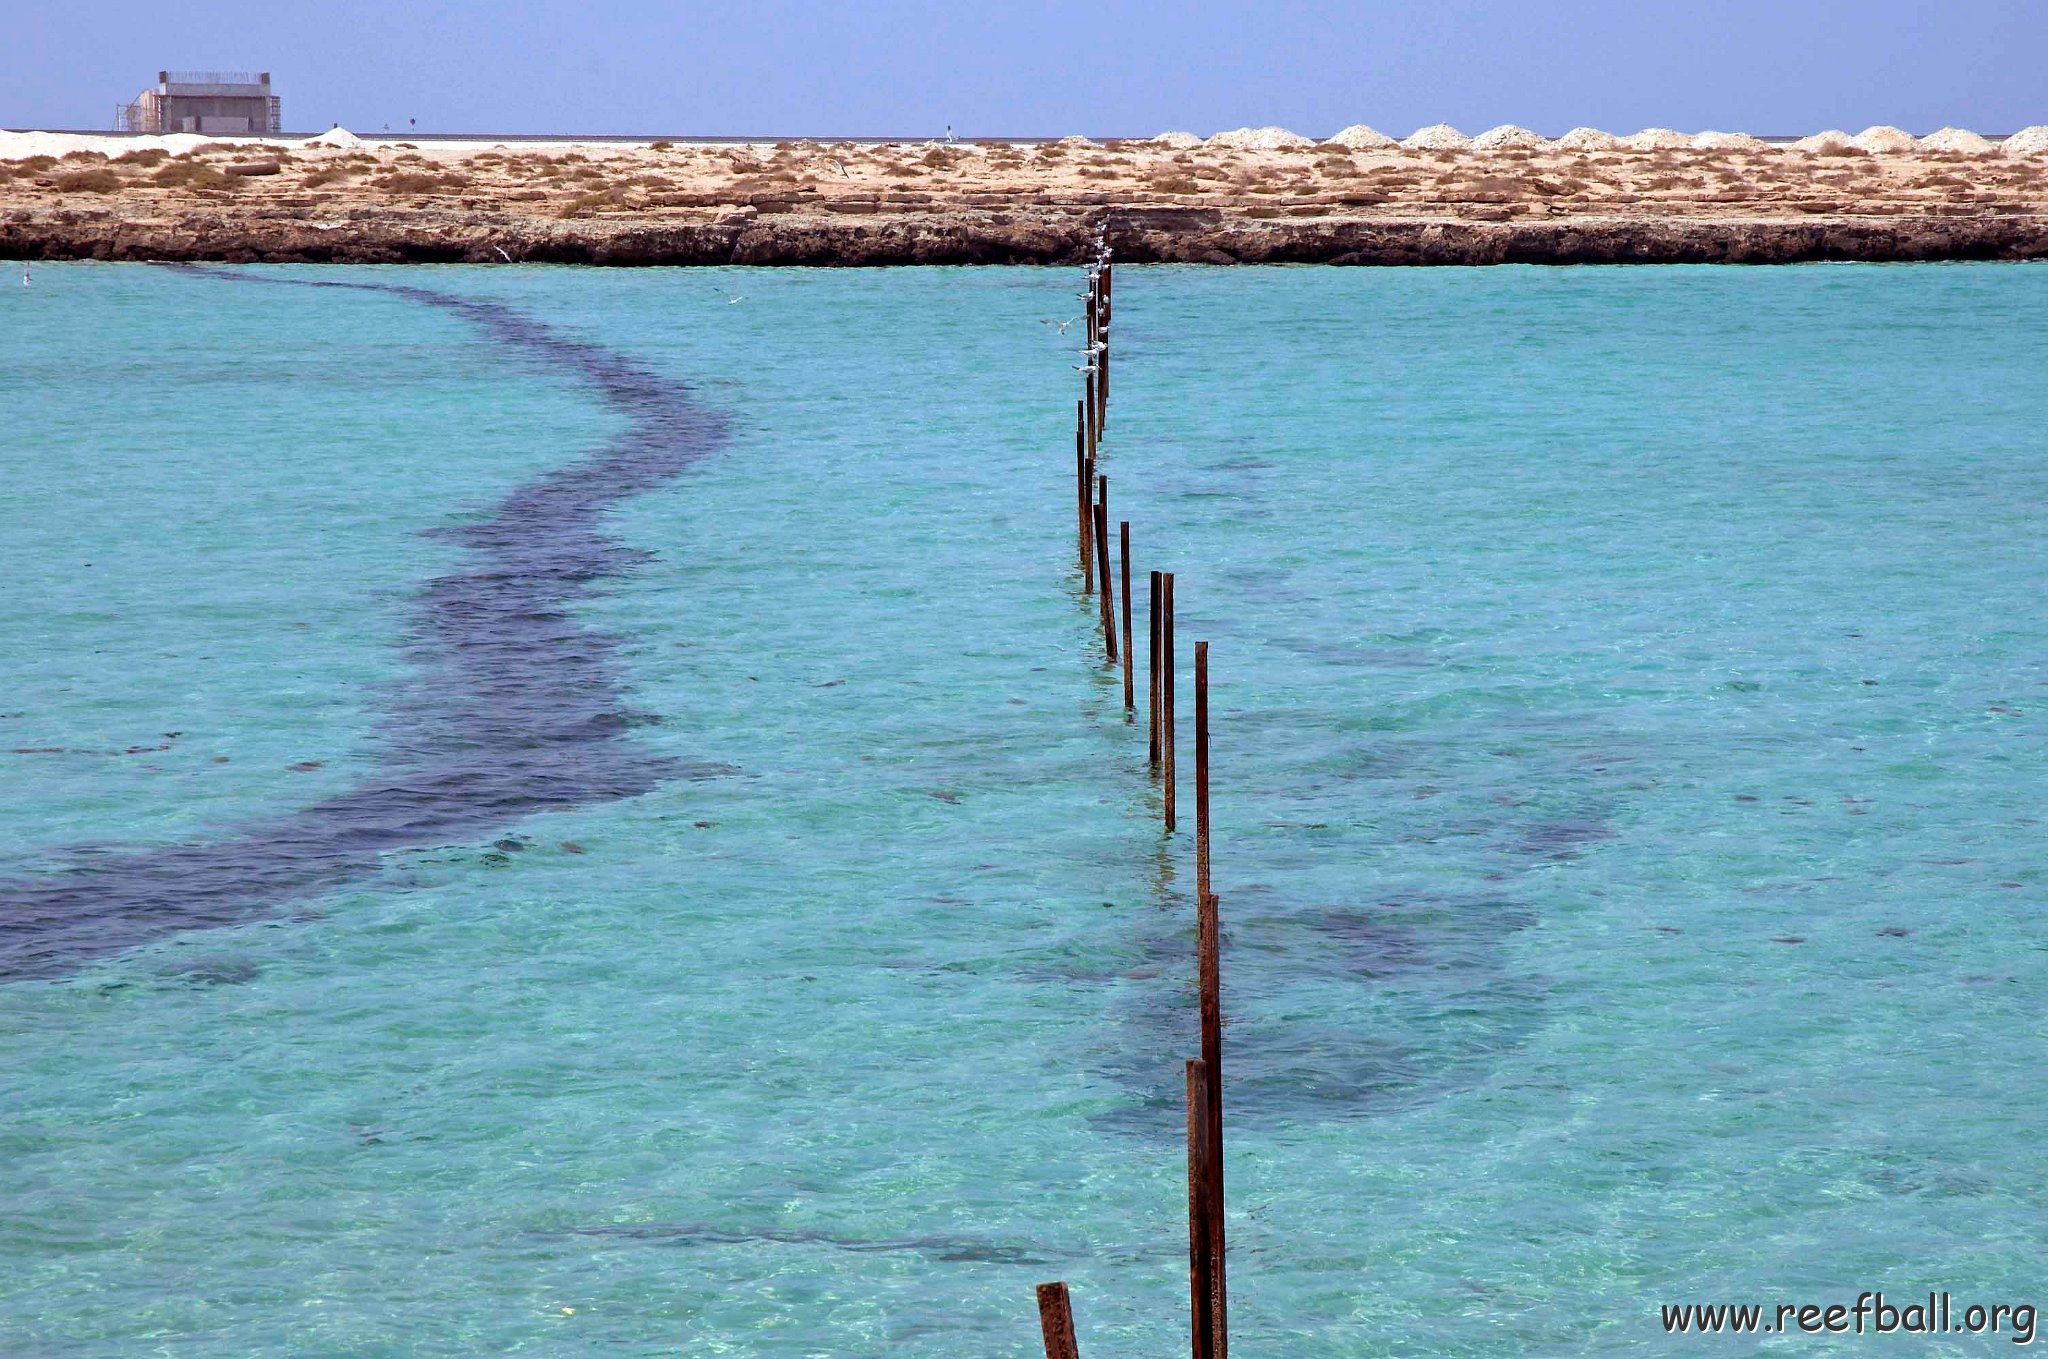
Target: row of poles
pixel 1208 1293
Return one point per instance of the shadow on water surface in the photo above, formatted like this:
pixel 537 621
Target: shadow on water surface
pixel 515 707
pixel 1397 996
pixel 1442 1007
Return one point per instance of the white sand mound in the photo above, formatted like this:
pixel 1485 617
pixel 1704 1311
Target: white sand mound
pixel 1079 143
pixel 21 145
pixel 1508 137
pixel 1956 139
pixel 337 137
pixel 1885 140
pixel 1831 140
pixel 1359 137
pixel 1178 141
pixel 1437 137
pixel 1260 139
pixel 1727 141
pixel 1587 139
pixel 1657 139
pixel 2028 141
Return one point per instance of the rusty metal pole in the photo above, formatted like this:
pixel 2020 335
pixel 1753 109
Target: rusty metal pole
pixel 1088 525
pixel 1081 478
pixel 1103 309
pixel 1056 1321
pixel 1088 403
pixel 1166 733
pixel 1123 534
pixel 1201 772
pixel 1156 594
pixel 1108 596
pixel 1209 981
pixel 1201 1288
pixel 1209 972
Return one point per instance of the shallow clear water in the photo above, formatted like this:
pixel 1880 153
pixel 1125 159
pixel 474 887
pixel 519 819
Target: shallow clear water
pixel 1580 638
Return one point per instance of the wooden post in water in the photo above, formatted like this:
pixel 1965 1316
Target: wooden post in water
pixel 1056 1321
pixel 1209 981
pixel 1166 770
pixel 1102 364
pixel 1081 478
pixel 1094 430
pixel 1088 525
pixel 1152 666
pixel 1108 596
pixel 1102 380
pixel 1123 536
pixel 1201 1287
pixel 1202 773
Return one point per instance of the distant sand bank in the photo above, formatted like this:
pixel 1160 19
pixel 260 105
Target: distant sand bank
pixel 1359 196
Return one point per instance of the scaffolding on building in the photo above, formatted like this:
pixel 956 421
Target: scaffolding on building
pixel 225 102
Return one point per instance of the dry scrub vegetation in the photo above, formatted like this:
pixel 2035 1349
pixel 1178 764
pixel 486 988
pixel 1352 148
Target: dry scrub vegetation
pixel 684 181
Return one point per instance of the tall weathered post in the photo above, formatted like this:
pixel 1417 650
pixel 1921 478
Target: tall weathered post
pixel 1201 1256
pixel 1166 734
pixel 1209 982
pixel 1081 479
pixel 1156 601
pixel 1056 1321
pixel 1088 524
pixel 1123 534
pixel 1108 595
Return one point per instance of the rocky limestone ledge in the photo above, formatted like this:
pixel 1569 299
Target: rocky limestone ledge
pixel 1138 235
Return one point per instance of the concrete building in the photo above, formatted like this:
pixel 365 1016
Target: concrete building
pixel 230 103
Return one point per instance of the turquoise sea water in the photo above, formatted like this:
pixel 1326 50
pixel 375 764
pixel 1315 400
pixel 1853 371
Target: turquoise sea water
pixel 1628 724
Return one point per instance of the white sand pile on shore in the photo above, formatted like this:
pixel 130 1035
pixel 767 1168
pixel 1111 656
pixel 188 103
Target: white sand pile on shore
pixel 1956 139
pixel 1260 139
pixel 339 137
pixel 1079 143
pixel 1885 140
pixel 1587 139
pixel 1657 139
pixel 1727 141
pixel 2028 141
pixel 1437 137
pixel 21 145
pixel 1178 141
pixel 1831 140
pixel 1359 137
pixel 1508 137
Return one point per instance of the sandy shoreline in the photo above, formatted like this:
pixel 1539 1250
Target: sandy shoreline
pixel 1257 195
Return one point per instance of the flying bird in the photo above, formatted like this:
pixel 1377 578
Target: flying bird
pixel 1048 321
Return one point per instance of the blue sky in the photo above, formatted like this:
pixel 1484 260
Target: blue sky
pixel 911 67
